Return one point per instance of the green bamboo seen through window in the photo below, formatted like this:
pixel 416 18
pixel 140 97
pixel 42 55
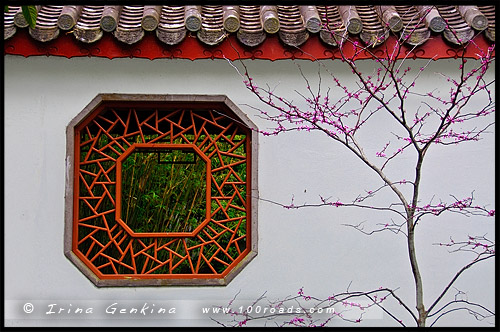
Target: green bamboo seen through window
pixel 163 191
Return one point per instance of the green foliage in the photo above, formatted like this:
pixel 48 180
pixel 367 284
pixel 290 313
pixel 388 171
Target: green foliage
pixel 30 14
pixel 163 197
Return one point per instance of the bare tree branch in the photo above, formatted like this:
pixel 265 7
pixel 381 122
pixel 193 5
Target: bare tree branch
pixel 437 118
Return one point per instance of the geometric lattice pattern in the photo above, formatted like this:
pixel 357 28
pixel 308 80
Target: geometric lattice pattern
pixel 222 237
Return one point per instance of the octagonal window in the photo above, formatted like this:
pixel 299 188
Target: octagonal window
pixel 159 190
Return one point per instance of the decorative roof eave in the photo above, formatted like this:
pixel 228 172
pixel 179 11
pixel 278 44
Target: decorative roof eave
pixel 294 23
pixel 272 48
pixel 126 27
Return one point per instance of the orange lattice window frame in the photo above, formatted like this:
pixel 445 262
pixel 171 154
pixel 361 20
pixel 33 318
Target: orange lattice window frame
pixel 161 190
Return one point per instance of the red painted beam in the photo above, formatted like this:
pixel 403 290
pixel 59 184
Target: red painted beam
pixel 150 47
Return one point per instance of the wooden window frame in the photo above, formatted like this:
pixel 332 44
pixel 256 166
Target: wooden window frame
pixel 220 109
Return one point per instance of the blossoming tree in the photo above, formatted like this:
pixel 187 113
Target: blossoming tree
pixel 420 118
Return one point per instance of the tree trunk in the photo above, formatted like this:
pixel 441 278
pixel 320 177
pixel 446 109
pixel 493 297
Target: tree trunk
pixel 419 291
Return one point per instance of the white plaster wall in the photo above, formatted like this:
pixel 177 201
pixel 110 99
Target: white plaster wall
pixel 297 248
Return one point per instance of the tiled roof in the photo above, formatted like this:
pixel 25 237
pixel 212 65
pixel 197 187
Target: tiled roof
pixel 253 24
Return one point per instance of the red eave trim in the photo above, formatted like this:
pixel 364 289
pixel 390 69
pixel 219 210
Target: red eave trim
pixel 150 47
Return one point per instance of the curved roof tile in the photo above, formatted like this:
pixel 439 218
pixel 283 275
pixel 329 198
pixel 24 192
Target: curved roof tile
pixel 251 24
